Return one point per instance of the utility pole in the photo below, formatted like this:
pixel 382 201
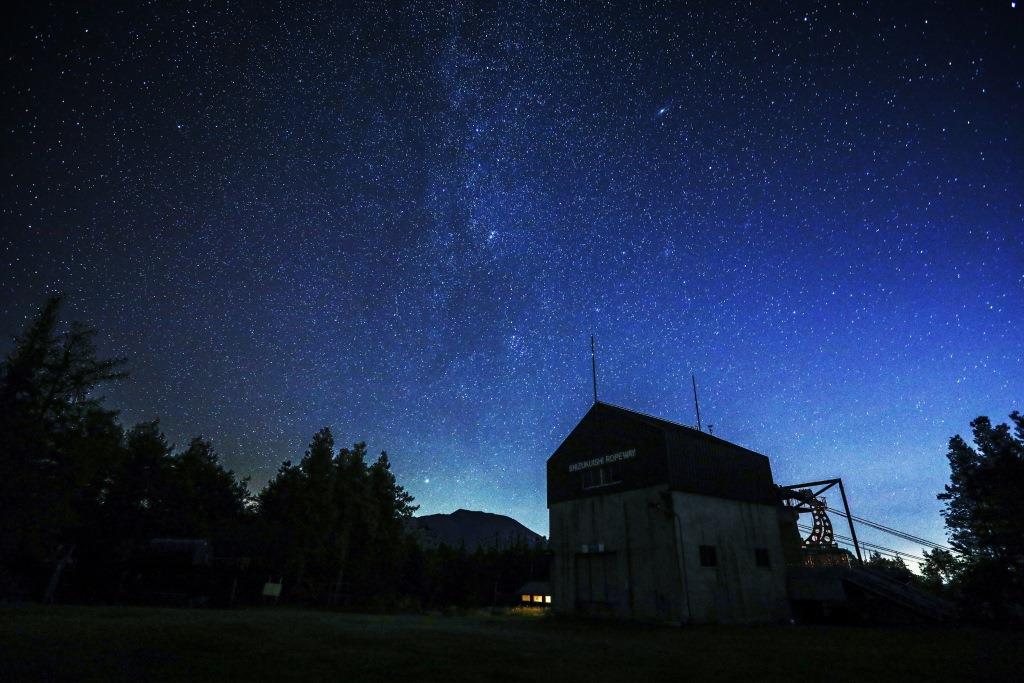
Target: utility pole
pixel 696 403
pixel 593 365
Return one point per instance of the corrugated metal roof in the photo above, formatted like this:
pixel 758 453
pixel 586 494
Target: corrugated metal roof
pixel 668 424
pixel 664 452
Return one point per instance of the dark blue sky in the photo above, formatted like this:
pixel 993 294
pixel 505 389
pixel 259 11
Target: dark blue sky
pixel 404 220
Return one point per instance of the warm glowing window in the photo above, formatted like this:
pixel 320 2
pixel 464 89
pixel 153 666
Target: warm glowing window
pixel 547 599
pixel 538 598
pixel 526 598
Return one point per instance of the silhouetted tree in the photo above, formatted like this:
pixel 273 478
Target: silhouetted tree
pixel 204 499
pixel 984 513
pixel 138 503
pixel 337 524
pixel 334 524
pixel 940 569
pixel 488 576
pixel 55 439
pixel 151 492
pixel 389 506
pixel 895 567
pixel 348 533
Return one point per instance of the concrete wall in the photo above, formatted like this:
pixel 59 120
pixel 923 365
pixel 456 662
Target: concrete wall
pixel 736 590
pixel 632 534
pixel 630 555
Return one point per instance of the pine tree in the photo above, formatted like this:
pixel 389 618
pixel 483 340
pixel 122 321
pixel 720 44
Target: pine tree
pixel 338 524
pixel 56 441
pixel 204 498
pixel 984 513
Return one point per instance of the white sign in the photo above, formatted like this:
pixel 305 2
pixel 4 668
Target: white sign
pixel 603 460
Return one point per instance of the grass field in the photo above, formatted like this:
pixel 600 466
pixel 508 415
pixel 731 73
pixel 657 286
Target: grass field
pixel 141 644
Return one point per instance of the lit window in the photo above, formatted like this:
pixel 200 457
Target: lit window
pixel 547 599
pixel 526 598
pixel 538 598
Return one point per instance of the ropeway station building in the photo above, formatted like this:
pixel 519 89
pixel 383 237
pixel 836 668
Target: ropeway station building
pixel 654 520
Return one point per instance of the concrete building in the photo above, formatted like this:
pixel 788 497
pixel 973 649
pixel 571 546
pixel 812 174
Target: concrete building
pixel 654 520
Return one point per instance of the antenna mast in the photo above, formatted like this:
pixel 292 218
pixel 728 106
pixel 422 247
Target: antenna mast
pixel 593 365
pixel 696 403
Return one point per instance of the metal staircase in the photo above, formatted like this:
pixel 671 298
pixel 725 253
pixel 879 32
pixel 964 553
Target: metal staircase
pixel 906 595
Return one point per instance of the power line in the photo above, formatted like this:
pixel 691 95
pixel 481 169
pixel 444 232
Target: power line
pixel 888 529
pixel 884 550
pixel 895 532
pixel 846 540
pixel 881 549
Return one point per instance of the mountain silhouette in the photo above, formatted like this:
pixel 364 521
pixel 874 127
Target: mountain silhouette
pixel 473 529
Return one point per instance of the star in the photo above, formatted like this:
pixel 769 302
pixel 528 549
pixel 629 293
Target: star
pixel 405 223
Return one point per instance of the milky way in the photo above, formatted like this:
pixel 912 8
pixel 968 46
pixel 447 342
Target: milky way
pixel 405 221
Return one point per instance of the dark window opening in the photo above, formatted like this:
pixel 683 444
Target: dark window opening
pixel 708 556
pixel 601 476
pixel 762 558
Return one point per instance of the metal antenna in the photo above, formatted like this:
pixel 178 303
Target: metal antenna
pixel 593 365
pixel 696 403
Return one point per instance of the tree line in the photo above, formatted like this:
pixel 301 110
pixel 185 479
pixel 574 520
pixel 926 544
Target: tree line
pixel 79 489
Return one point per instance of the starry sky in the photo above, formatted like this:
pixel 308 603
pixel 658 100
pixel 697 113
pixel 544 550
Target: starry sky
pixel 404 220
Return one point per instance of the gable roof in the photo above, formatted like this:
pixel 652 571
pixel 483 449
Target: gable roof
pixel 654 451
pixel 658 422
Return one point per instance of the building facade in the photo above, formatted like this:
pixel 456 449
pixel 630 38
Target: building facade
pixel 657 521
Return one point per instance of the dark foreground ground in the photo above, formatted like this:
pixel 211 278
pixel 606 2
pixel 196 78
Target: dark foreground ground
pixel 140 644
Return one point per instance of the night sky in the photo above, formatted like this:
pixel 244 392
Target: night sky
pixel 404 220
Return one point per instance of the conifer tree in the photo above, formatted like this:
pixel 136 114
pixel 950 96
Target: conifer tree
pixel 984 513
pixel 56 441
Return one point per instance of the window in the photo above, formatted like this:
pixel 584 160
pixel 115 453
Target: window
pixel 601 476
pixel 708 556
pixel 762 558
pixel 538 598
pixel 526 598
pixel 547 599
